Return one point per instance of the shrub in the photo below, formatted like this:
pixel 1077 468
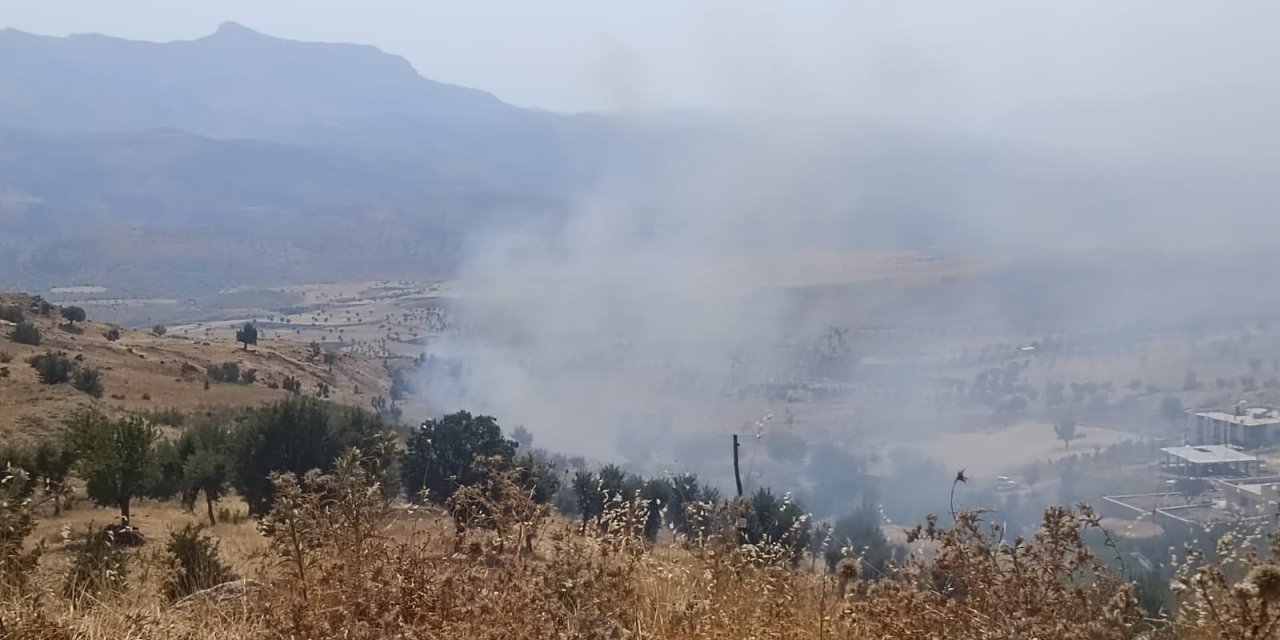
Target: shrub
pixel 112 334
pixel 99 568
pixel 159 329
pixel 225 372
pixel 52 367
pixel 5 357
pixel 88 381
pixel 248 376
pixel 195 564
pixel 25 333
pixel 16 523
pixel 12 313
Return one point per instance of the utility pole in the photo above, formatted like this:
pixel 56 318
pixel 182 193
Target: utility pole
pixel 741 504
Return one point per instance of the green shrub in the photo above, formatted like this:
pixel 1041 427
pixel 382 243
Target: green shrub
pixel 16 523
pixel 12 313
pixel 225 372
pixel 88 381
pixel 52 367
pixel 112 334
pixel 194 564
pixel 99 568
pixel 25 333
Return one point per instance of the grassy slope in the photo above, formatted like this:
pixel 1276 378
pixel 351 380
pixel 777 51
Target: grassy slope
pixel 142 363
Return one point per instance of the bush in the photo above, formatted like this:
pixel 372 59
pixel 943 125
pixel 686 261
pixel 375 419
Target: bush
pixel 292 385
pixel 112 334
pixel 16 523
pixel 100 568
pixel 52 367
pixel 25 333
pixel 194 564
pixel 5 357
pixel 88 381
pixel 159 329
pixel 12 313
pixel 225 372
pixel 248 376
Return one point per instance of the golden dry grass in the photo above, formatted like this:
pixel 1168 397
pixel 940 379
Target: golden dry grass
pixel 145 372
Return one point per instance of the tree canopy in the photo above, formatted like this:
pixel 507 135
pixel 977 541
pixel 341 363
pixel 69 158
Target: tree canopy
pixel 440 453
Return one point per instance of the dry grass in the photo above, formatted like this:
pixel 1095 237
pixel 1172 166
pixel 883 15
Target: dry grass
pixel 142 372
pixel 336 560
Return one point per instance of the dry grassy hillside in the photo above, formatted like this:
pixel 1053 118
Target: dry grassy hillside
pixel 148 373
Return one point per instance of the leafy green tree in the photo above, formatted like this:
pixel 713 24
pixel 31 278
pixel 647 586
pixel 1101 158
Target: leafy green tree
pixel 116 457
pixel 1066 431
pixel 166 482
pixel 858 535
pixel 656 492
pixel 88 381
pixel 52 462
pixel 25 333
pixel 248 334
pixel 52 367
pixel 586 488
pixel 207 471
pixel 439 454
pixel 74 314
pixel 297 435
pixel 780 520
pixel 1171 409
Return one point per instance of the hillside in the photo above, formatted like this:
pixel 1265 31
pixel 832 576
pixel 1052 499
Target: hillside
pixel 143 372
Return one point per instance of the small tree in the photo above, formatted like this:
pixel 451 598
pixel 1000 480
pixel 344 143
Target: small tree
pixel 25 333
pixel 112 334
pixel 1066 432
pixel 74 314
pixel 207 471
pixel 52 463
pixel 159 329
pixel 1191 488
pixel 248 334
pixel 116 457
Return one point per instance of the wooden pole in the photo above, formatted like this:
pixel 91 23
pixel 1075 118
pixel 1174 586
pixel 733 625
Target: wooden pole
pixel 737 477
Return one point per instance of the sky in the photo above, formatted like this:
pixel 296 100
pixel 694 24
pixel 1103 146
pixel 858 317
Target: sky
pixel 964 64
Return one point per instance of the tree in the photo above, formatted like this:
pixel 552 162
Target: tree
pixel 248 334
pixel 314 351
pixel 858 535
pixel 297 435
pixel 1066 432
pixel 112 334
pixel 439 454
pixel 786 447
pixel 25 333
pixel 1191 488
pixel 74 314
pixel 522 436
pixel 159 329
pixel 52 463
pixel 116 457
pixel 1171 409
pixel 780 520
pixel 207 471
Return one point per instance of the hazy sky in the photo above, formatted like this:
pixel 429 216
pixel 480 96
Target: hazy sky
pixel 1163 66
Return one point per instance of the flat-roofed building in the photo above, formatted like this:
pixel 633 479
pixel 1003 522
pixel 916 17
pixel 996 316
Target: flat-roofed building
pixel 1209 460
pixel 1245 427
